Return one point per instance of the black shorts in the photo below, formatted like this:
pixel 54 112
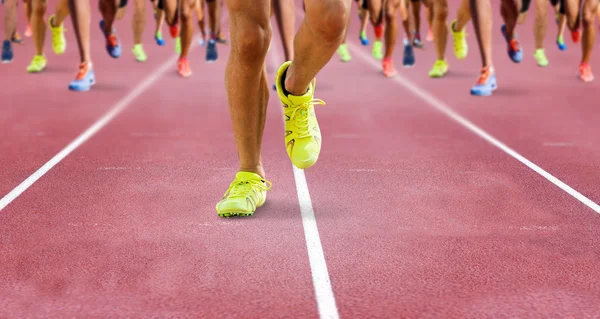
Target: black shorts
pixel 363 4
pixel 526 4
pixel 122 3
pixel 561 7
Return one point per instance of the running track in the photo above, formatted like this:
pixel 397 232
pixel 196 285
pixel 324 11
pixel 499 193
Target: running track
pixel 418 216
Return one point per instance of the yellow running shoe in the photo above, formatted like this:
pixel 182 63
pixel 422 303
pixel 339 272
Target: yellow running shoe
pixel 38 64
pixel 344 53
pixel 378 50
pixel 302 134
pixel 178 45
pixel 439 69
pixel 461 48
pixel 247 192
pixel 138 52
pixel 59 42
pixel 540 58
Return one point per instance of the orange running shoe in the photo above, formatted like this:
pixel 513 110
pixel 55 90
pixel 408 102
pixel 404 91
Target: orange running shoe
pixel 84 79
pixel 221 39
pixel 486 84
pixel 388 67
pixel 430 35
pixel 16 38
pixel 585 72
pixel 183 68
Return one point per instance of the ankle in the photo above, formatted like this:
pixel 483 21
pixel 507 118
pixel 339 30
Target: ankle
pixel 289 85
pixel 454 28
pixel 259 170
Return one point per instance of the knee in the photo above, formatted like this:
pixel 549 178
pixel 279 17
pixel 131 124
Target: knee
pixel 139 6
pixel 250 40
pixel 588 18
pixel 192 5
pixel 333 17
pixel 440 11
pixel 375 19
pixel 572 23
pixel 39 7
pixel 391 10
pixel 390 14
pixel 185 15
pixel 186 12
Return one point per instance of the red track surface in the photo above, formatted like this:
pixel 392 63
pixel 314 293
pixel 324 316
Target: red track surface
pixel 418 217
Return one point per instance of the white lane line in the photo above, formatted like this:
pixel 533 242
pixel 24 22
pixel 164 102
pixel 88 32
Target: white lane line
pixel 322 284
pixel 444 108
pixel 320 275
pixel 91 131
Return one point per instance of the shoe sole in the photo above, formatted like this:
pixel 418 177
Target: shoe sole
pixel 140 60
pixel 436 76
pixel 461 57
pixel 235 214
pixel 484 94
pixel 80 90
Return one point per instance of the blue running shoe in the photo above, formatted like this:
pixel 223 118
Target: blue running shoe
pixel 408 59
pixel 560 42
pixel 159 38
pixel 211 51
pixel 7 52
pixel 515 52
pixel 417 43
pixel 84 79
pixel 486 83
pixel 363 38
pixel 112 42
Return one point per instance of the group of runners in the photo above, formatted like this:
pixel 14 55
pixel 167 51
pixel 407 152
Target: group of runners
pixel 322 32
